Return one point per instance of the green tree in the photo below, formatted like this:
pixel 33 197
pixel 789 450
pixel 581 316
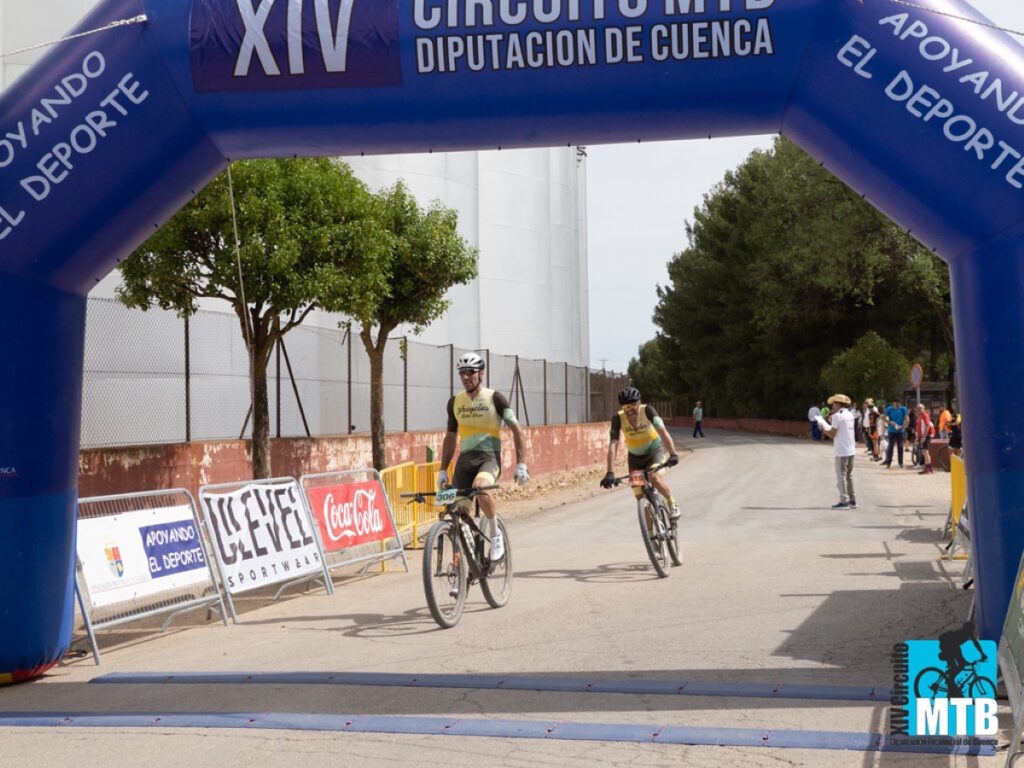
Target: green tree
pixel 309 238
pixel 425 256
pixel 649 371
pixel 869 368
pixel 784 265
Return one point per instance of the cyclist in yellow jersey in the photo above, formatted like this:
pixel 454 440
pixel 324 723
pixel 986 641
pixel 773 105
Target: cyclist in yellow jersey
pixel 646 441
pixel 475 416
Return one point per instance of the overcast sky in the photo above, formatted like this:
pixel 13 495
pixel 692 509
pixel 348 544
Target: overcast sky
pixel 639 197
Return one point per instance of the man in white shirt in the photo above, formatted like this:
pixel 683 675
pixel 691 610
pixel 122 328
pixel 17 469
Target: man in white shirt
pixel 841 432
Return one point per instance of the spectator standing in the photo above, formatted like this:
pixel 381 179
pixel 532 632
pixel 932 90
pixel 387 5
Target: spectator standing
pixel 945 419
pixel 868 425
pixel 925 433
pixel 898 417
pixel 881 436
pixel 698 417
pixel 841 432
pixel 956 440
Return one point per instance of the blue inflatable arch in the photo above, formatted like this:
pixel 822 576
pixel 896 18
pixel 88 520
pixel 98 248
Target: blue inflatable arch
pixel 109 134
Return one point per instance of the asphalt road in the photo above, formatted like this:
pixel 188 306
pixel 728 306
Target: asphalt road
pixel 778 592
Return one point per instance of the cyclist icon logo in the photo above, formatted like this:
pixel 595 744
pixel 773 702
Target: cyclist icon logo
pixel 955 668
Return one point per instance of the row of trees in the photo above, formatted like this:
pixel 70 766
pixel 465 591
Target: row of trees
pixel 793 285
pixel 278 239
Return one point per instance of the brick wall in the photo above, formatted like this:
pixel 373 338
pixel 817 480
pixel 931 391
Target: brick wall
pixel 553 448
pixel 103 471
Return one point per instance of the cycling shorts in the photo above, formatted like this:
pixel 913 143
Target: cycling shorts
pixel 471 466
pixel 657 456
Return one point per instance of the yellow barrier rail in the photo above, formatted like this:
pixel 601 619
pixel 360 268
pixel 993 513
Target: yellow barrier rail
pixel 958 493
pixel 411 478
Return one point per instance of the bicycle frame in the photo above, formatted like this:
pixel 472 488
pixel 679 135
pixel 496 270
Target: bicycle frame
pixel 472 550
pixel 456 513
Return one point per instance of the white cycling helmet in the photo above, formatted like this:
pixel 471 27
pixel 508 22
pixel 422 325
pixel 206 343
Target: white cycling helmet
pixel 470 361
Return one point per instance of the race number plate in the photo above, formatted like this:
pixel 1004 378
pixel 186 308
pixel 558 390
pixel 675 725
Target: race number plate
pixel 447 496
pixel 636 478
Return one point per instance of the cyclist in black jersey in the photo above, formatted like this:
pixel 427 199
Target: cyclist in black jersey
pixel 475 416
pixel 647 440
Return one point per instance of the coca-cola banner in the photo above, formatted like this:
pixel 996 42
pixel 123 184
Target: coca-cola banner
pixel 350 513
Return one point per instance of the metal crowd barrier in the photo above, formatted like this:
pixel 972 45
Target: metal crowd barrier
pixel 354 520
pixel 141 554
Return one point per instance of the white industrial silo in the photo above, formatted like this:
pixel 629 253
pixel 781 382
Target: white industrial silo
pixel 525 210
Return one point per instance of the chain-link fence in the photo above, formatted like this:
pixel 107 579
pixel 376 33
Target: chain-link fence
pixel 152 377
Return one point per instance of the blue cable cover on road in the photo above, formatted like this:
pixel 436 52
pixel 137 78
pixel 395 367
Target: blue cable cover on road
pixel 512 683
pixel 519 729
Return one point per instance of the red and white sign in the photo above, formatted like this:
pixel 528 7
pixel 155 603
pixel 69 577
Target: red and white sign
pixel 916 375
pixel 350 514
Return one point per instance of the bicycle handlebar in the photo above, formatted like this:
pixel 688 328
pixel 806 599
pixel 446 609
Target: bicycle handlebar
pixel 462 493
pixel 648 471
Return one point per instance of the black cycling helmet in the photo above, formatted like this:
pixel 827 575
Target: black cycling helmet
pixel 629 395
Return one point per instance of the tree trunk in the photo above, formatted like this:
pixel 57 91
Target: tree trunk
pixel 260 420
pixel 376 354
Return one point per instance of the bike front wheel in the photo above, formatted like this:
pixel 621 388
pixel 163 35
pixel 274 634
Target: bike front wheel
pixel 497 584
pixel 444 574
pixel 675 550
pixel 655 537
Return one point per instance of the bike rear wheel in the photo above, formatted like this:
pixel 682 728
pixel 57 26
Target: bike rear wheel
pixel 497 584
pixel 444 574
pixel 655 539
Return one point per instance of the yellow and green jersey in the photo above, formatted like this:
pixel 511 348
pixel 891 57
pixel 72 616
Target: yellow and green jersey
pixel 478 420
pixel 641 438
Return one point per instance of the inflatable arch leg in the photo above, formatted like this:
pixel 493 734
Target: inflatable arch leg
pixel 988 291
pixel 41 394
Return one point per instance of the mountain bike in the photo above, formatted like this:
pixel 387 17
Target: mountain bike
pixel 456 555
pixel 933 683
pixel 659 531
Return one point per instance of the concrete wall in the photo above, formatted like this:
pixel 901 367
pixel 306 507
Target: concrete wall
pixel 104 471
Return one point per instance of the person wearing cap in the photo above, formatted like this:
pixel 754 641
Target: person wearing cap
pixel 841 432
